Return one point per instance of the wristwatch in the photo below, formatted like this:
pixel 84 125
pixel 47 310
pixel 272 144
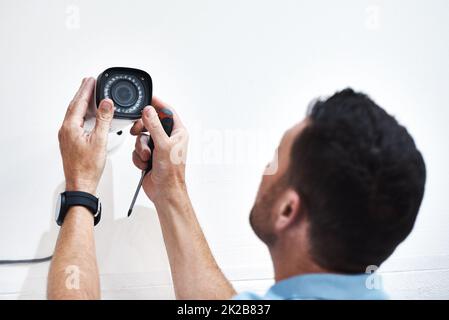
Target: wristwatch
pixel 77 198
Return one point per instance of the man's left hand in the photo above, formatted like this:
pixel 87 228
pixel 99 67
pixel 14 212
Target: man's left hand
pixel 84 154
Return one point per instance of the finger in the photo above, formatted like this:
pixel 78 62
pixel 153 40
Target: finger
pixel 153 124
pixel 137 128
pixel 142 148
pixel 80 91
pixel 78 107
pixel 139 163
pixel 159 105
pixel 104 116
pixel 177 123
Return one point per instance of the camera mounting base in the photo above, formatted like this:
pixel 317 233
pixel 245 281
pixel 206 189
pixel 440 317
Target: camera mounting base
pixel 116 135
pixel 115 140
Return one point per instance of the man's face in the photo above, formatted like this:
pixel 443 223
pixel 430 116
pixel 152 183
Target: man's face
pixel 272 185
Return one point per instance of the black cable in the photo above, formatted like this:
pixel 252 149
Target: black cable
pixel 26 261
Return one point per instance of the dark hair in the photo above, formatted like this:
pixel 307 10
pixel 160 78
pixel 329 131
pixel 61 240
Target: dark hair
pixel 361 180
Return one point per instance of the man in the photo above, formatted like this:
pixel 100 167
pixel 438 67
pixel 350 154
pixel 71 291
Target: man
pixel 347 191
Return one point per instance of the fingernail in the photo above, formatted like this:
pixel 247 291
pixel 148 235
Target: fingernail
pixel 106 105
pixel 148 111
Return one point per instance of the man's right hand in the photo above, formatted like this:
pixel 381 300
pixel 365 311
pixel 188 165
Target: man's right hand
pixel 167 176
pixel 195 272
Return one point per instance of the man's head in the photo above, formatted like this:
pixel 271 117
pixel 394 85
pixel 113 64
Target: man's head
pixel 350 182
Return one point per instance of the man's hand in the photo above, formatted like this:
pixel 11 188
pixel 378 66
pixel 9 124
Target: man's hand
pixel 83 157
pixel 168 172
pixel 194 270
pixel 84 154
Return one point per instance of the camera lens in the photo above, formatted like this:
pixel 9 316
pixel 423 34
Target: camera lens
pixel 130 89
pixel 124 93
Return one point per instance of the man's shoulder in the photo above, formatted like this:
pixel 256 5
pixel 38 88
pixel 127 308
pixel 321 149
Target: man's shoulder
pixel 321 287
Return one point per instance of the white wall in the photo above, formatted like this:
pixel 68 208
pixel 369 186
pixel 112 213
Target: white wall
pixel 227 66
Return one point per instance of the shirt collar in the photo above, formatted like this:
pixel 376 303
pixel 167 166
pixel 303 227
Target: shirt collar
pixel 327 287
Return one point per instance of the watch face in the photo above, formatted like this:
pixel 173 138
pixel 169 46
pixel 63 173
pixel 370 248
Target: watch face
pixel 58 207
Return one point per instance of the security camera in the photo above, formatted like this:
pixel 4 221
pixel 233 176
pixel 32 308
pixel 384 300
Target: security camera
pixel 130 90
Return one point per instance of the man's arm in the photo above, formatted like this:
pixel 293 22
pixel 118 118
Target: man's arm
pixel 73 272
pixel 195 272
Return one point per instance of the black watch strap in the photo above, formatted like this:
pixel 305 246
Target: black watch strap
pixel 79 198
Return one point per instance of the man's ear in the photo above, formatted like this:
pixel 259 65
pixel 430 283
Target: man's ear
pixel 289 205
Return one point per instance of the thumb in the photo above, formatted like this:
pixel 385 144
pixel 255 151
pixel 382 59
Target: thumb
pixel 105 113
pixel 151 121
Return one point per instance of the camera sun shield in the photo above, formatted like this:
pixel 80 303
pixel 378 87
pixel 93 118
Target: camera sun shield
pixel 130 89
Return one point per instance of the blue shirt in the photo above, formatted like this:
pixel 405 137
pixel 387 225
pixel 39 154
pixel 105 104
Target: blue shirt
pixel 323 287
